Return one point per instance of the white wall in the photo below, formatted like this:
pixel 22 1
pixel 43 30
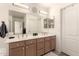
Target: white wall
pixel 4 13
pixel 3 17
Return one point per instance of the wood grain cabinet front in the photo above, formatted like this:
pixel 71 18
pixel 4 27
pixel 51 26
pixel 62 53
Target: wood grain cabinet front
pixel 40 52
pixel 17 49
pixel 32 41
pixel 16 44
pixel 47 44
pixel 40 46
pixel 53 42
pixel 30 48
pixel 40 43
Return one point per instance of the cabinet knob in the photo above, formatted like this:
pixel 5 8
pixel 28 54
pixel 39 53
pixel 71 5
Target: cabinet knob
pixel 31 41
pixel 17 44
pixel 26 46
pixel 41 40
pixel 23 48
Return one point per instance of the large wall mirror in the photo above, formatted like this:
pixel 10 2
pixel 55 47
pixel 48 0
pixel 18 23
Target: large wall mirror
pixel 33 23
pixel 16 22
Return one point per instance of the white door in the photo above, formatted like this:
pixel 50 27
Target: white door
pixel 69 21
pixel 70 30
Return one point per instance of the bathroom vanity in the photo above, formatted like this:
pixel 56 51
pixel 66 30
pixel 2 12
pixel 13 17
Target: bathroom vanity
pixel 31 45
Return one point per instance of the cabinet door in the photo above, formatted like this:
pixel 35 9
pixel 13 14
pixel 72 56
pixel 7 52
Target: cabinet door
pixel 31 50
pixel 53 44
pixel 47 45
pixel 19 51
pixel 40 44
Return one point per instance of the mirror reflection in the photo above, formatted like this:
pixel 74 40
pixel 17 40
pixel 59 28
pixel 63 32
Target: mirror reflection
pixel 17 22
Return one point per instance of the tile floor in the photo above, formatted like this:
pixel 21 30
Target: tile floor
pixel 50 54
pixel 55 54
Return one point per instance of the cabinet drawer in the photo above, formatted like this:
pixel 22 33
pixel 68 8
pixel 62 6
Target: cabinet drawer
pixel 40 52
pixel 40 40
pixel 47 38
pixel 30 41
pixel 53 37
pixel 16 44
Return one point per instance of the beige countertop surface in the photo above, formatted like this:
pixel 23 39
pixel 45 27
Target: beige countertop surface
pixel 26 38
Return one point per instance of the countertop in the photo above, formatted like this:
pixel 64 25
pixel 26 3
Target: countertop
pixel 27 38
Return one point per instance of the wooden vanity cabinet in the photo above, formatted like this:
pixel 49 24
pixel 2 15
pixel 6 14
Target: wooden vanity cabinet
pixel 30 47
pixel 47 44
pixel 16 49
pixel 40 46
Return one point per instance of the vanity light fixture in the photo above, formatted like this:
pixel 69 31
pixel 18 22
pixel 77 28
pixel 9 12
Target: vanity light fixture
pixel 20 5
pixel 42 12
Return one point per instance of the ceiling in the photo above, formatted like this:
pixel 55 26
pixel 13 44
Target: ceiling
pixel 47 5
